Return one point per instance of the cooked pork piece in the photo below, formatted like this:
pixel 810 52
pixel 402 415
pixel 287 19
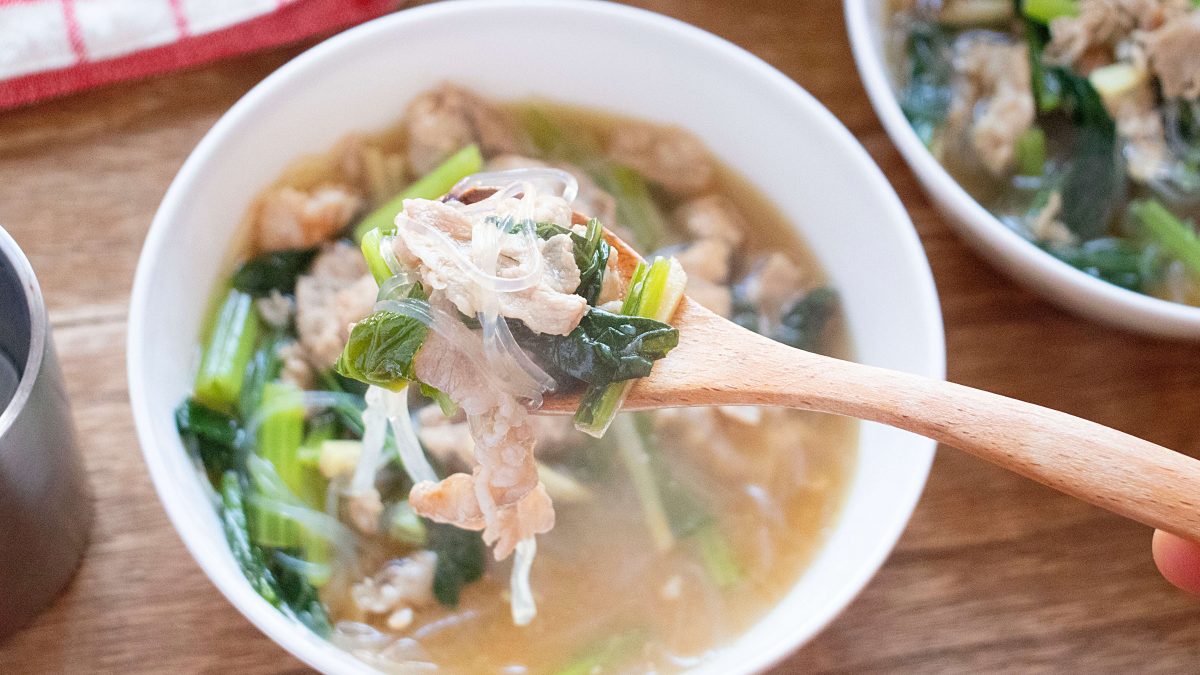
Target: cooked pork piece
pixel 668 156
pixel 337 292
pixel 774 284
pixel 993 100
pixel 550 306
pixel 1174 54
pixel 404 583
pixel 712 217
pixel 289 218
pixel 503 497
pixel 444 120
pixel 1091 36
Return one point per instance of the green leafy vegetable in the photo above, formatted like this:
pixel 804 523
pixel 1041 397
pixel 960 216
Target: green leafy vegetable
pixel 348 414
pixel 637 210
pixel 448 407
pixel 672 510
pixel 925 98
pixel 264 367
pixel 1094 181
pixel 273 271
pixel 370 245
pixel 460 560
pixel 430 186
pixel 1118 261
pixel 381 350
pixel 249 558
pixel 803 324
pixel 229 348
pixel 1177 238
pixel 655 291
pixel 280 585
pixel 1047 91
pixel 605 347
pixel 280 434
pixel 298 598
pixel 717 556
pixel 210 435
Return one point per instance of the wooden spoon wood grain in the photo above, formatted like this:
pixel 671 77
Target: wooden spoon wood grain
pixel 718 362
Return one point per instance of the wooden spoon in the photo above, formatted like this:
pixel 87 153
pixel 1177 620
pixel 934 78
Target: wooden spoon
pixel 718 362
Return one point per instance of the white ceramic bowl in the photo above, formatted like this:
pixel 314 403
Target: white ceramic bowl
pixel 593 54
pixel 1024 262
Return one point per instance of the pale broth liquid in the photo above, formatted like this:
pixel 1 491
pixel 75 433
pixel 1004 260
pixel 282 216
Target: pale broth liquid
pixel 600 585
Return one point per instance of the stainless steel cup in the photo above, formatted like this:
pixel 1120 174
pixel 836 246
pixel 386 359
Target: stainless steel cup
pixel 45 505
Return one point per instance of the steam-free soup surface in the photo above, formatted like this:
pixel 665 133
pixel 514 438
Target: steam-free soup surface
pixel 745 496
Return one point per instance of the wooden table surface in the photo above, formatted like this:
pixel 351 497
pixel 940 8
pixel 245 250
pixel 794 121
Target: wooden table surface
pixel 994 573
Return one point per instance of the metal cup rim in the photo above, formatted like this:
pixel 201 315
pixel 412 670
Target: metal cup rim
pixel 37 329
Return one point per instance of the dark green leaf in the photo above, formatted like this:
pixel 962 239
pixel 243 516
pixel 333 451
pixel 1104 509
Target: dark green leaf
pixel 803 324
pixel 283 587
pixel 1047 90
pixel 210 435
pixel 264 367
pixel 349 415
pixel 298 598
pixel 381 349
pixel 249 558
pixel 925 98
pixel 273 271
pixel 604 347
pixel 1118 261
pixel 460 560
pixel 1094 181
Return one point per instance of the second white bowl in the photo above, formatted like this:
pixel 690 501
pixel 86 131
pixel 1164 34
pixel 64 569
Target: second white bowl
pixel 1024 262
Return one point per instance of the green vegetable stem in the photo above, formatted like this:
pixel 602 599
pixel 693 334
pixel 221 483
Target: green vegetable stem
pixel 223 362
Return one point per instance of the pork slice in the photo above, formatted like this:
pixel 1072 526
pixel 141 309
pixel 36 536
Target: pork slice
pixel 337 292
pixel 455 501
pixel 712 217
pixel 707 259
pixel 993 99
pixel 289 218
pixel 668 156
pixel 549 306
pixel 447 118
pixel 1174 54
pixel 612 288
pixel 774 284
pixel 1102 24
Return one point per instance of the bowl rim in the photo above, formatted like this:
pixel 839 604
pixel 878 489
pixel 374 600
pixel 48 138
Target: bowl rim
pixel 1066 285
pixel 286 634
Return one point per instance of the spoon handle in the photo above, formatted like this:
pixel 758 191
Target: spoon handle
pixel 1099 465
pixel 720 363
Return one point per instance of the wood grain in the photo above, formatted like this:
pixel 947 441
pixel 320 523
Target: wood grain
pixel 995 573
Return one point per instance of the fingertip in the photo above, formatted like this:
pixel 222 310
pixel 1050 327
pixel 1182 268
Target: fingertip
pixel 1178 560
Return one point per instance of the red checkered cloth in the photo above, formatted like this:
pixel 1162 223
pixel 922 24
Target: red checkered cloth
pixel 53 47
